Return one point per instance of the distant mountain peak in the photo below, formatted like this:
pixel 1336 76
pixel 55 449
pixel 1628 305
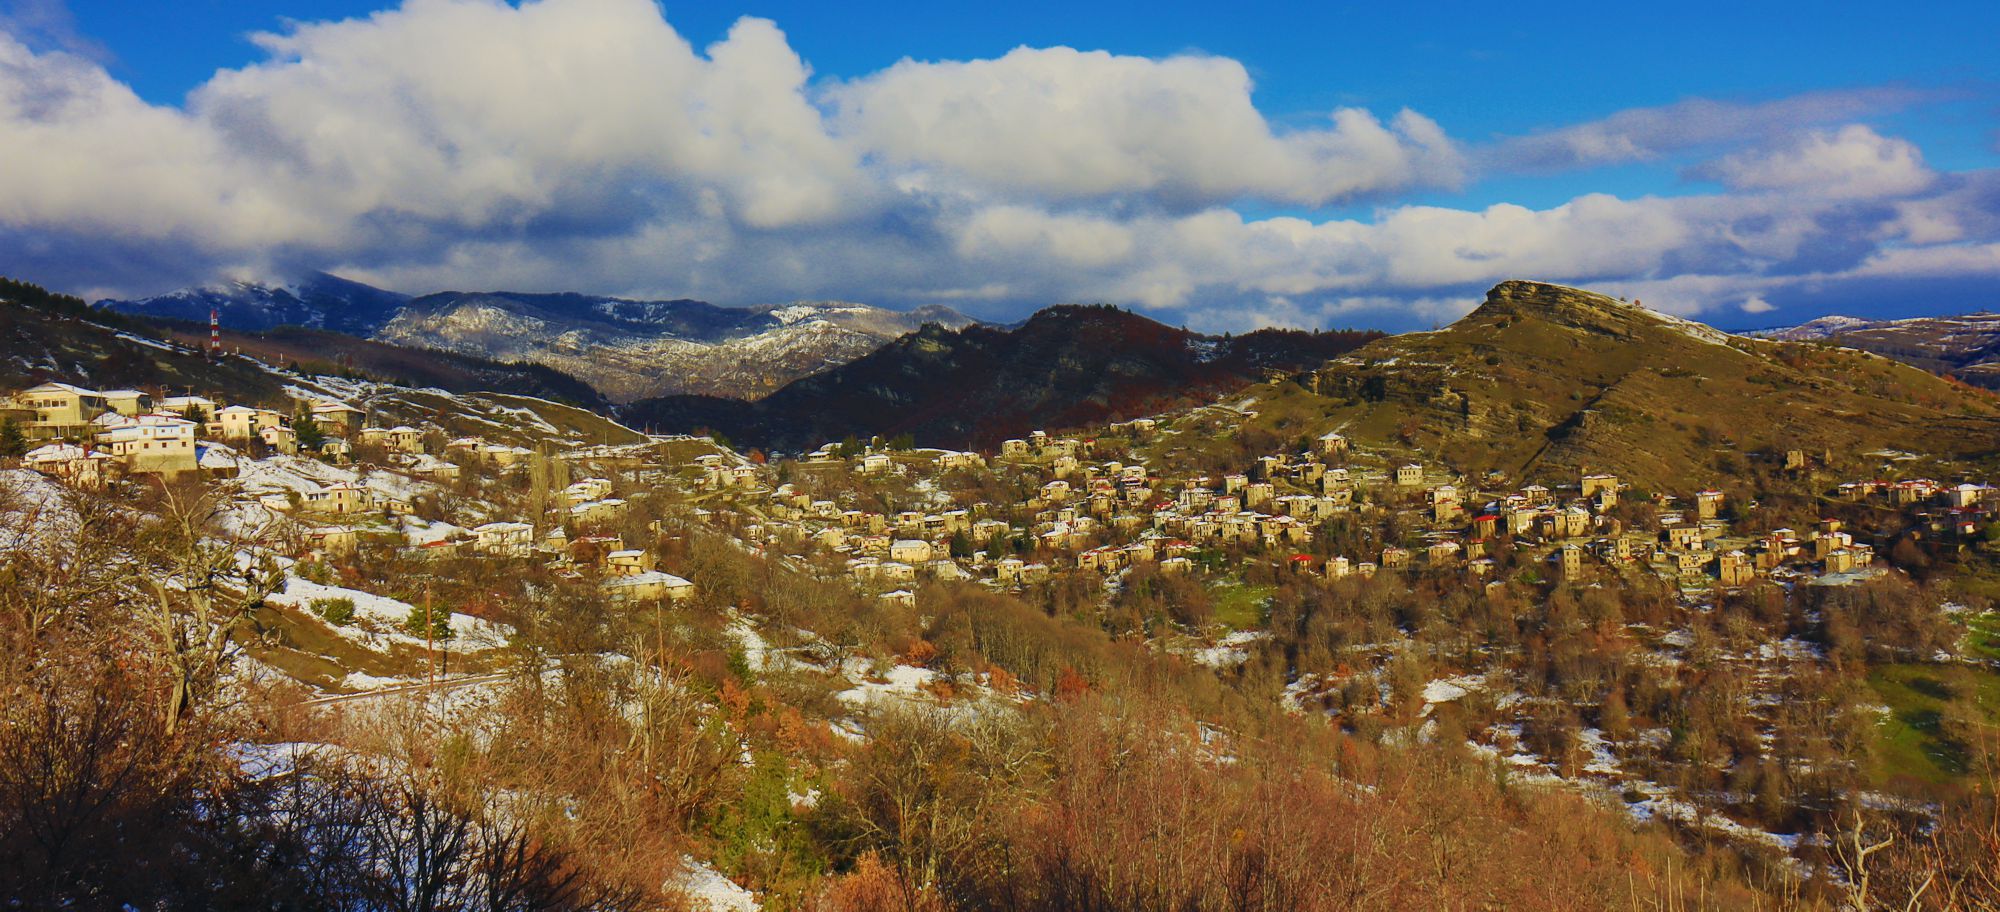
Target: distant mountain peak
pixel 1965 346
pixel 316 299
pixel 627 348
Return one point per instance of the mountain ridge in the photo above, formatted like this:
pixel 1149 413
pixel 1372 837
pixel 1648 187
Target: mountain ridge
pixel 1965 346
pixel 1066 365
pixel 625 348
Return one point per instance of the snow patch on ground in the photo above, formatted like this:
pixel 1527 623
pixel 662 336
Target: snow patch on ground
pixel 1229 651
pixel 706 889
pixel 1446 690
pixel 34 511
pixel 903 682
pixel 379 620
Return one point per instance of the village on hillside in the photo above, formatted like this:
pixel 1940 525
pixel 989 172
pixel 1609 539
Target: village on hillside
pixel 889 518
pixel 1097 522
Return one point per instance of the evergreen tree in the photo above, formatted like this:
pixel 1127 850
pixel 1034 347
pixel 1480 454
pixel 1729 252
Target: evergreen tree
pixel 12 441
pixel 310 436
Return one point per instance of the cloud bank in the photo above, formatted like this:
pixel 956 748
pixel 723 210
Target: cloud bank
pixel 585 144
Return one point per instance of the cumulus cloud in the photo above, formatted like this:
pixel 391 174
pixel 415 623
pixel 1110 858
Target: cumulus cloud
pixel 1755 304
pixel 1853 161
pixel 585 144
pixel 1064 123
pixel 424 125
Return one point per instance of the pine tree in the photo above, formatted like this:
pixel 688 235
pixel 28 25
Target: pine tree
pixel 310 436
pixel 12 442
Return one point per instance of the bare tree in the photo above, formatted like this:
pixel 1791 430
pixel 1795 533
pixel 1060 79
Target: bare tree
pixel 66 558
pixel 204 589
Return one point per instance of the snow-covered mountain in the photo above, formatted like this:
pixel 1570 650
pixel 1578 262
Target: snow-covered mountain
pixel 1822 328
pixel 627 349
pixel 317 300
pixel 638 349
pixel 1966 346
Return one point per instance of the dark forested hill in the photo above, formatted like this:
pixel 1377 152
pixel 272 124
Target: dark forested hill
pixel 1065 366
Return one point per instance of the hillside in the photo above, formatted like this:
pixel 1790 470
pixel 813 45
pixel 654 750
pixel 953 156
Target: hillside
pixel 1965 346
pixel 627 349
pixel 1543 381
pixel 1064 367
pixel 324 352
pixel 55 337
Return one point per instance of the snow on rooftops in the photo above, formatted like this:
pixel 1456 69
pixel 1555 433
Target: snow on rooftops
pixel 646 578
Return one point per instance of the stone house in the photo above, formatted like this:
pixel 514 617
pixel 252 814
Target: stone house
pixel 1734 568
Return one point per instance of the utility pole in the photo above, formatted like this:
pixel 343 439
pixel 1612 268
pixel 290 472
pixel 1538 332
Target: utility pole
pixel 430 652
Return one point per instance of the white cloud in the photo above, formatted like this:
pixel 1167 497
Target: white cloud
pixel 1931 262
pixel 584 144
pixel 1647 134
pixel 1005 232
pixel 1853 162
pixel 49 23
pixel 1755 304
pixel 1073 124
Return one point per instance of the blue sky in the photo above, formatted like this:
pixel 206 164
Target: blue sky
pixel 1782 161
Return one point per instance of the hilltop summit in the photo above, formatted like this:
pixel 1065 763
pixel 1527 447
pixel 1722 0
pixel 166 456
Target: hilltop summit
pixel 1588 310
pixel 1543 380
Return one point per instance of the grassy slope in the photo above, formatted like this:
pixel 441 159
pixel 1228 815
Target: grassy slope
pixel 1912 742
pixel 1242 607
pixel 1545 382
pixel 486 415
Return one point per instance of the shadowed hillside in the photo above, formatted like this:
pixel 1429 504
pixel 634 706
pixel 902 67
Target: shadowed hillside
pixel 1064 367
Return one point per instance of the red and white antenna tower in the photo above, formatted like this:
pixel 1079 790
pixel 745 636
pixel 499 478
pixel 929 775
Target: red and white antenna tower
pixel 214 333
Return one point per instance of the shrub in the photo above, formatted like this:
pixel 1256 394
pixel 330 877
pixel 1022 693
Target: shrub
pixel 336 611
pixel 440 623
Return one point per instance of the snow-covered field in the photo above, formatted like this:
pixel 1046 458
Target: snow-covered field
pixel 379 620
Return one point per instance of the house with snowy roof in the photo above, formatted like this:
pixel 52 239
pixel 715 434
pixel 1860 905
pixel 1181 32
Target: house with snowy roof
pixel 60 409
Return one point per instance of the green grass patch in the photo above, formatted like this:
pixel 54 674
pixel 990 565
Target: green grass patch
pixel 1914 739
pixel 1983 636
pixel 1242 607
